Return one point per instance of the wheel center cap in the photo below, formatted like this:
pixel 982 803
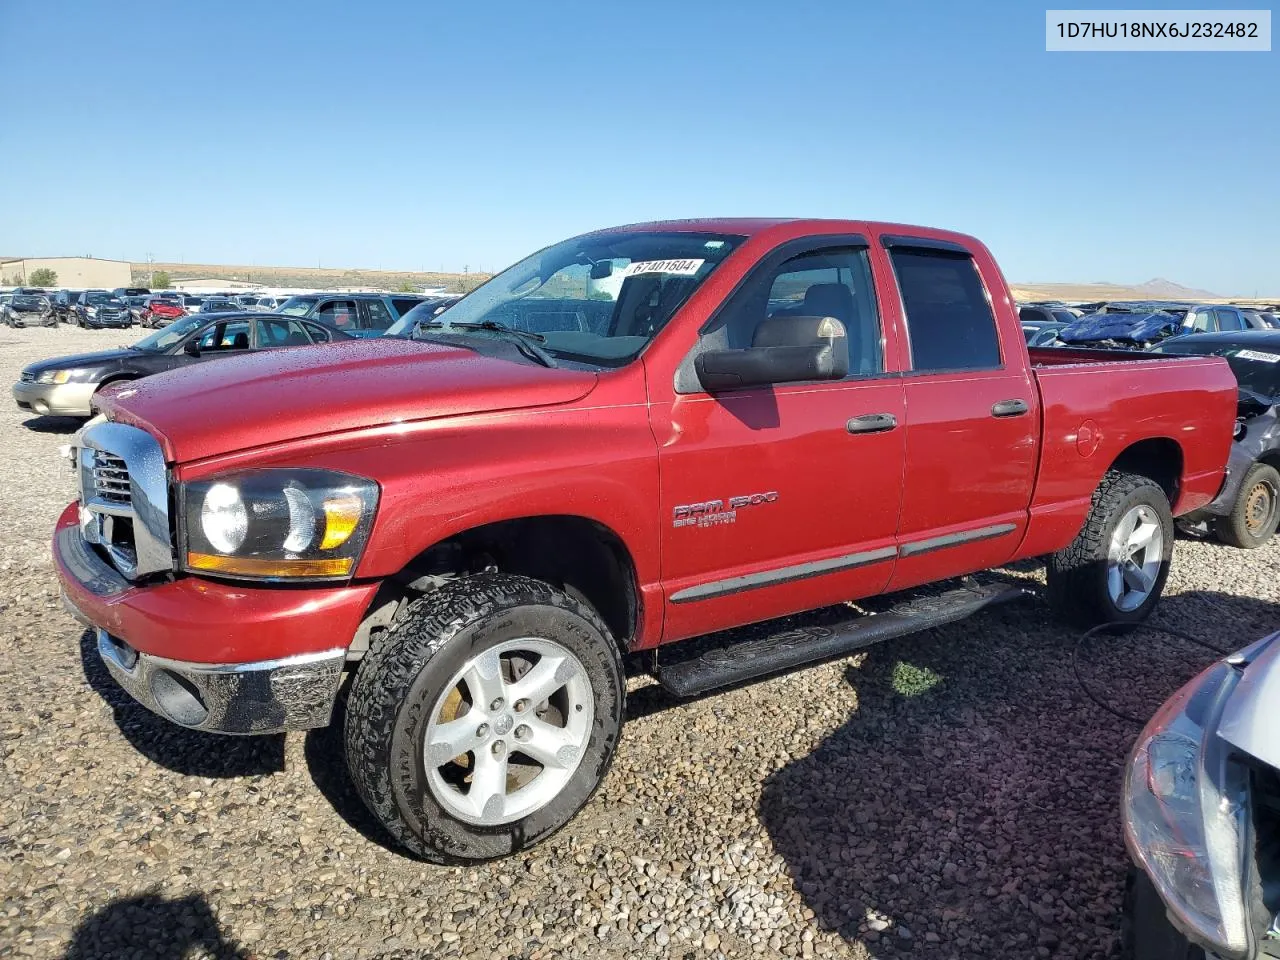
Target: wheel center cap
pixel 502 725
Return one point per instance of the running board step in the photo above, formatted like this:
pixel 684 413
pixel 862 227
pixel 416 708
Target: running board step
pixel 799 646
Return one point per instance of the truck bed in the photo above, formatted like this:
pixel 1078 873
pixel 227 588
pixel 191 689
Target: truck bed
pixel 1096 404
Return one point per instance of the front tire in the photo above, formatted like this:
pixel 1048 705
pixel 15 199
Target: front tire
pixel 484 719
pixel 1148 934
pixel 1253 519
pixel 1115 569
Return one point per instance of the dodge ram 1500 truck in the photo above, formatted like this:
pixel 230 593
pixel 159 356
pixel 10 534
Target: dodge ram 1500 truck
pixel 633 437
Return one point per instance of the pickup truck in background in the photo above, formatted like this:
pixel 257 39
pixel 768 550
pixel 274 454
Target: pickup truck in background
pixel 631 438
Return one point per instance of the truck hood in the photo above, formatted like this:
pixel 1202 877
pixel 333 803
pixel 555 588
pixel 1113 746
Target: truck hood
pixel 1251 718
pixel 204 410
pixel 1135 327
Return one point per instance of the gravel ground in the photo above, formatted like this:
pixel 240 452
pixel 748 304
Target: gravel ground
pixel 953 794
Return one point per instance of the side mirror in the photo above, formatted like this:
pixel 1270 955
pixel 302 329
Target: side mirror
pixel 192 347
pixel 783 350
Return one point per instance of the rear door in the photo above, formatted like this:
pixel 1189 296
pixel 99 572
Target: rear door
pixel 782 498
pixel 377 317
pixel 972 423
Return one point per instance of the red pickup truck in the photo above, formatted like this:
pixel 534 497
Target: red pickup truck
pixel 631 438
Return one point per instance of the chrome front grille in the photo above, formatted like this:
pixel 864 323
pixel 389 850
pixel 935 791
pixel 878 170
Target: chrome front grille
pixel 111 479
pixel 124 498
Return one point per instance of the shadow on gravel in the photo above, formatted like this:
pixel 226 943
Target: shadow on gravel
pixel 150 925
pixel 326 762
pixel 176 748
pixel 65 425
pixel 970 805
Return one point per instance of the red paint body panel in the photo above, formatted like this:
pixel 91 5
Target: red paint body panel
pixel 202 621
pixel 458 440
pixel 275 396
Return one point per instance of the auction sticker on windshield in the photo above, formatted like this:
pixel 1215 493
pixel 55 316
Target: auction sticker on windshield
pixel 1258 355
pixel 676 268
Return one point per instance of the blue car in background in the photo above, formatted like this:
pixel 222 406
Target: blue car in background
pixel 1140 326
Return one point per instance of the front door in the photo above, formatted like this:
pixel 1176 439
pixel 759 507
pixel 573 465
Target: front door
pixel 784 498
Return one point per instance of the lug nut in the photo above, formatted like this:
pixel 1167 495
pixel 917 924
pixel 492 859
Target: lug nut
pixel 522 706
pixel 499 748
pixel 496 705
pixel 482 730
pixel 522 732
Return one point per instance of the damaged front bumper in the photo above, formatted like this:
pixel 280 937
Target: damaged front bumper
pixel 296 693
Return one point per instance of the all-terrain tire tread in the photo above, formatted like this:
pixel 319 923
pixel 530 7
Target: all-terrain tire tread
pixel 396 657
pixel 1067 578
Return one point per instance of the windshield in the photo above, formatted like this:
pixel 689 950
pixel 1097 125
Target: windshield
pixel 1257 369
pixel 598 299
pixel 96 297
pixel 297 306
pixel 166 337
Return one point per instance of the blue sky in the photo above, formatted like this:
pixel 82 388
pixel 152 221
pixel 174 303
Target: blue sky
pixel 410 135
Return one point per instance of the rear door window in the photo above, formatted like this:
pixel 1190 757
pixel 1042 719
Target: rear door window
pixel 318 333
pixel 378 314
pixel 1228 320
pixel 950 325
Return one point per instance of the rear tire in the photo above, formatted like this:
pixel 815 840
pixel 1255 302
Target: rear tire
pixel 1256 513
pixel 484 719
pixel 1115 569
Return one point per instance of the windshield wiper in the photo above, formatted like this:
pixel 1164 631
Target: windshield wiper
pixel 526 341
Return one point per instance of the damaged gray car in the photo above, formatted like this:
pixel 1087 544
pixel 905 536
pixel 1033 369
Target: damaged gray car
pixel 1247 509
pixel 1202 816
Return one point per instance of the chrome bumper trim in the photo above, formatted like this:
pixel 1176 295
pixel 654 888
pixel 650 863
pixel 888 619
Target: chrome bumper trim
pixel 267 696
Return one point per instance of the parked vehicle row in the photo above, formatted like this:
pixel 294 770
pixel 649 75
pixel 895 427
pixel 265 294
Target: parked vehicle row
pixel 1134 325
pixel 66 386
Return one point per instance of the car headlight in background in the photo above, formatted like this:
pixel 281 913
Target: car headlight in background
pixel 1185 807
pixel 277 524
pixel 64 376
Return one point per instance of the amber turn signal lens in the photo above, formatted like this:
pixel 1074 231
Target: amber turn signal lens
pixel 341 515
pixel 254 567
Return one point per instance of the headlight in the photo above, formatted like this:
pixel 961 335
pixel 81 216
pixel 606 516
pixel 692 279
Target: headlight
pixel 1184 813
pixel 91 311
pixel 63 376
pixel 277 524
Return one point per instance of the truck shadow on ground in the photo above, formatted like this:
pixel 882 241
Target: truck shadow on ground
pixel 325 754
pixel 970 805
pixel 176 748
pixel 63 425
pixel 150 925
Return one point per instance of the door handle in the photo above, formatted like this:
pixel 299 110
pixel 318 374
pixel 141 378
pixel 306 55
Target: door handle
pixel 872 423
pixel 1009 408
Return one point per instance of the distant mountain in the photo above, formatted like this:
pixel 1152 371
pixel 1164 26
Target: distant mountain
pixel 1158 289
pixel 1161 289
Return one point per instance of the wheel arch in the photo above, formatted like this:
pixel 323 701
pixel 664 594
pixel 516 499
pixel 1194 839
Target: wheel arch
pixel 1159 459
pixel 580 554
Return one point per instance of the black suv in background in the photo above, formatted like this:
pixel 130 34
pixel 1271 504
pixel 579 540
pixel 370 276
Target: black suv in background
pixel 358 314
pixel 98 308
